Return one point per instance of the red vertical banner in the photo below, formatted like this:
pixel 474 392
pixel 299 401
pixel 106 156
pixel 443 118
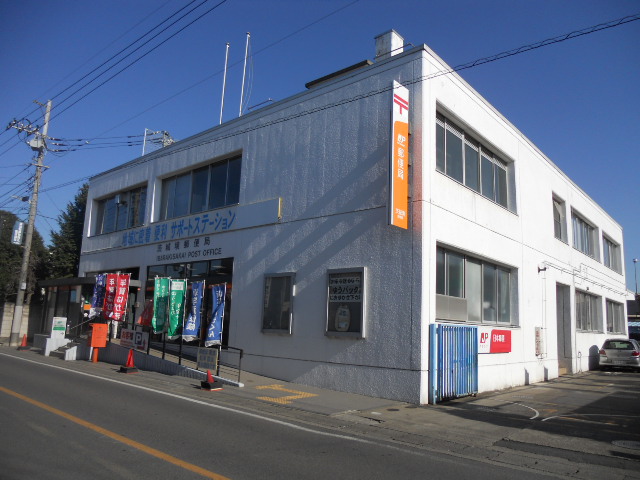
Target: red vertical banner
pixel 116 296
pixel 111 288
pixel 399 158
pixel 122 295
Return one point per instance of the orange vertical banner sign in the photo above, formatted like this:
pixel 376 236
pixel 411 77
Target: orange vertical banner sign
pixel 399 167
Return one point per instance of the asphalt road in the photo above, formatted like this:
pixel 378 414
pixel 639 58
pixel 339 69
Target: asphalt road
pixel 59 424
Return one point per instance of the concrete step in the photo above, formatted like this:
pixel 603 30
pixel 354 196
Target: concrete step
pixel 66 352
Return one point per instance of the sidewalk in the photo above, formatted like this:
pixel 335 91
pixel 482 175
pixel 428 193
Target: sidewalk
pixel 583 426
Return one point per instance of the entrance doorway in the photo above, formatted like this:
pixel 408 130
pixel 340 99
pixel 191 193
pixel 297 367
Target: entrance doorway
pixel 213 272
pixel 563 327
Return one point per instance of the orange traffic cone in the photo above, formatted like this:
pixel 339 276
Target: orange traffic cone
pixel 210 384
pixel 23 345
pixel 129 367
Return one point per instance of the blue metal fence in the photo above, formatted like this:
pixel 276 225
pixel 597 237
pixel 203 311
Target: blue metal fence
pixel 453 361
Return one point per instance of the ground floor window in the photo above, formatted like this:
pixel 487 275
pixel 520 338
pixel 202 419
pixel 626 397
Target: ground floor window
pixel 487 288
pixel 587 312
pixel 277 312
pixel 615 317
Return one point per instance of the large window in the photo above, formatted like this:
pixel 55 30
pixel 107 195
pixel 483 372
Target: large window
pixel 587 312
pixel 559 219
pixel 122 210
pixel 611 254
pixel 584 238
pixel 615 317
pixel 465 160
pixel 206 188
pixel 277 303
pixel 487 288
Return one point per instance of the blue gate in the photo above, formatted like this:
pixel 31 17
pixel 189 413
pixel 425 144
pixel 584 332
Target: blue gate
pixel 453 361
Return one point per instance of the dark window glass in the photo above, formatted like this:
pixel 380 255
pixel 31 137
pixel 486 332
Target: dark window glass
pixel 489 293
pixel 501 186
pixel 455 275
pixel 504 303
pixel 440 272
pixel 454 156
pixel 168 197
pixel 472 167
pixel 109 217
pixel 233 181
pixel 218 185
pixel 473 290
pixel 181 200
pixel 277 302
pixel 440 156
pixel 199 183
pixel 487 178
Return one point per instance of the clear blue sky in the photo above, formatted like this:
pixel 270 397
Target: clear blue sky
pixel 578 101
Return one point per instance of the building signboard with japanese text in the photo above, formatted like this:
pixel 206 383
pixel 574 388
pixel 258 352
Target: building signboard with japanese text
pixel 345 302
pixel 493 340
pixel 399 168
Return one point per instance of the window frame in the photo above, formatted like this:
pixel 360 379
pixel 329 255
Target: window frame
pixel 121 217
pixel 587 244
pixel 492 174
pixel 230 195
pixel 266 299
pixel 492 296
pixel 588 312
pixel 333 305
pixel 615 317
pixel 560 207
pixel 611 254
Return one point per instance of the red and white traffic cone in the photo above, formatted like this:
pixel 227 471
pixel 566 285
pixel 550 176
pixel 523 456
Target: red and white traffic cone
pixel 23 345
pixel 210 384
pixel 129 367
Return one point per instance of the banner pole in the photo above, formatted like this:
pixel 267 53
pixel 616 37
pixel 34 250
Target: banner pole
pixel 184 308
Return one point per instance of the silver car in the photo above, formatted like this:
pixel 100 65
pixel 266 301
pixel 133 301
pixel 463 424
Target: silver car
pixel 620 352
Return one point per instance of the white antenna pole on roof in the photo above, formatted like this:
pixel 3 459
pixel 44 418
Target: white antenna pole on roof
pixel 244 72
pixel 224 81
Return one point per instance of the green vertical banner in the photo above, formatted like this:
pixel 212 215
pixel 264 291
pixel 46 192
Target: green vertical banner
pixel 176 308
pixel 160 304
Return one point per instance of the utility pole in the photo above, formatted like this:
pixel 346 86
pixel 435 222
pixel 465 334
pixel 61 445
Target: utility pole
pixel 39 144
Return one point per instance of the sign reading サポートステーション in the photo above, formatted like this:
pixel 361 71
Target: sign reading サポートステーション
pixel 202 224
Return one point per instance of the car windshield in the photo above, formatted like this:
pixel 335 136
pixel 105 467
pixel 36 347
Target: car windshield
pixel 618 345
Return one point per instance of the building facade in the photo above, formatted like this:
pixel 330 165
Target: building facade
pixel 293 207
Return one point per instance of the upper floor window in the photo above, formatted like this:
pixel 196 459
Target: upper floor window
pixel 122 210
pixel 559 219
pixel 487 288
pixel 611 254
pixel 206 188
pixel 584 238
pixel 467 161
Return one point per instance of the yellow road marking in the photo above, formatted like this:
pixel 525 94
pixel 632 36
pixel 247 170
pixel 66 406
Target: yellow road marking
pixel 287 399
pixel 127 441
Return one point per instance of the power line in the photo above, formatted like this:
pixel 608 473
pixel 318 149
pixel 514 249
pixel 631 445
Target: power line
pixel 499 56
pixel 233 64
pixel 119 52
pixel 139 58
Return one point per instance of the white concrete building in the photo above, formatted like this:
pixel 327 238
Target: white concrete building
pixel 291 205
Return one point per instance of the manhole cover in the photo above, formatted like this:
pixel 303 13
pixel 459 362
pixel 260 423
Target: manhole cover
pixel 627 444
